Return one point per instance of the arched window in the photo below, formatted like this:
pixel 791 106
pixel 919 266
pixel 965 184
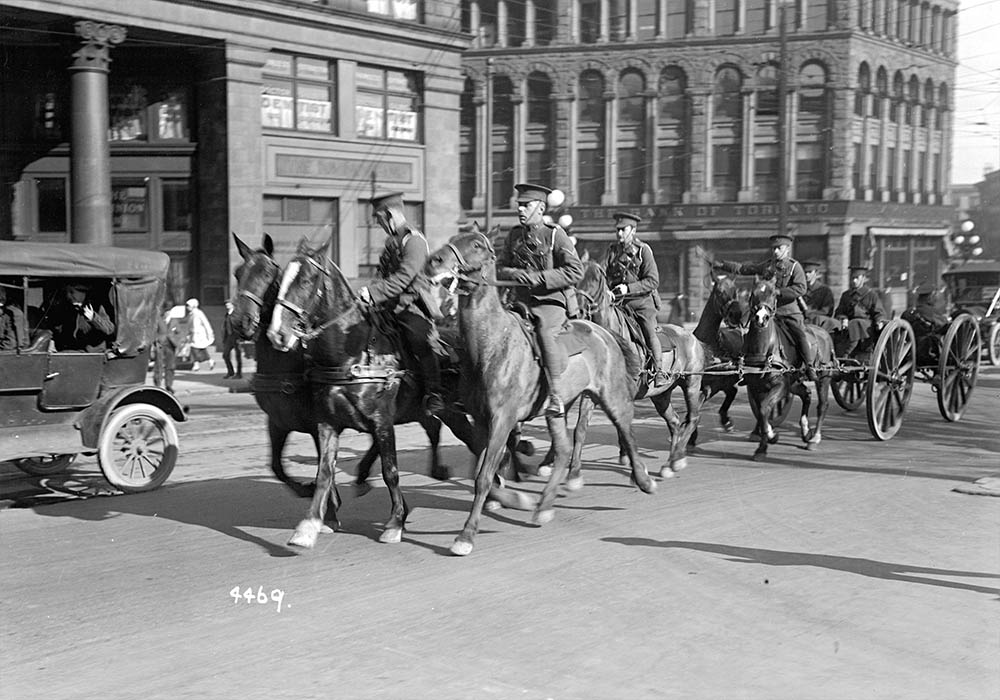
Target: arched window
pixel 590 137
pixel 727 133
pixel 467 145
pixel 672 130
pixel 898 98
pixel 812 90
pixel 863 13
pixel 631 137
pixel 942 107
pixel 812 144
pixel 539 135
pixel 502 142
pixel 912 99
pixel 928 110
pixel 863 90
pixel 767 90
pixel 881 92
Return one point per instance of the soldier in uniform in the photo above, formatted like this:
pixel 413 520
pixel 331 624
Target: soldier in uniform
pixel 401 287
pixel 858 309
pixel 818 297
pixel 541 257
pixel 790 280
pixel 635 280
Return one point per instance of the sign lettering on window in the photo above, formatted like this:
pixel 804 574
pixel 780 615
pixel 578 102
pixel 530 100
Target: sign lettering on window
pixel 369 121
pixel 401 125
pixel 314 115
pixel 276 111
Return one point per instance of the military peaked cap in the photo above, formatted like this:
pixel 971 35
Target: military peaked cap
pixel 627 215
pixel 532 193
pixel 387 201
pixel 781 238
pixel 859 268
pixel 812 265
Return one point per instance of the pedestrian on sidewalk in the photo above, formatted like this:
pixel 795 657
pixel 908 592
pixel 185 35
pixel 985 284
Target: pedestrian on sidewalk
pixel 202 335
pixel 230 345
pixel 169 337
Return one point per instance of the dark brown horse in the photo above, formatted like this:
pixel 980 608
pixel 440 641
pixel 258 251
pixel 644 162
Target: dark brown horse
pixel 358 380
pixel 279 385
pixel 683 363
pixel 505 383
pixel 772 359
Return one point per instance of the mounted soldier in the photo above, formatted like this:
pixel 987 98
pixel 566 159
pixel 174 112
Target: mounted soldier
pixel 541 257
pixel 790 281
pixel 635 281
pixel 818 298
pixel 858 309
pixel 401 288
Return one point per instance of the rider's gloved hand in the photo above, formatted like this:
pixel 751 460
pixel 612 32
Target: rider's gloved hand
pixel 620 290
pixel 365 295
pixel 529 278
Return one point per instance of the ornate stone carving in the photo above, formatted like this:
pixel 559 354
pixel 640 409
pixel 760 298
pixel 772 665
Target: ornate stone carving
pixel 97 39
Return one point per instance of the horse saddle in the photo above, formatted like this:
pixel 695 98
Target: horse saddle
pixel 788 349
pixel 668 339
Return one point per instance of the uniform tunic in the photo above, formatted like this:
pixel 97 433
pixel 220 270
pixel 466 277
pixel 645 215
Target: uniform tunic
pixel 860 307
pixel 634 266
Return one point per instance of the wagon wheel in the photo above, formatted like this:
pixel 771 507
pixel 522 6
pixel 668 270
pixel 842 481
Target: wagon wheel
pixel 781 410
pixel 44 466
pixel 138 448
pixel 958 366
pixel 994 345
pixel 890 378
pixel 849 390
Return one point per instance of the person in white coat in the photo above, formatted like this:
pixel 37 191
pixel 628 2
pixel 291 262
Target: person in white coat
pixel 202 335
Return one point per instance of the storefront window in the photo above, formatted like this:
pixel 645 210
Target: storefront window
pixel 129 206
pixel 128 114
pixel 51 194
pixel 397 9
pixel 176 205
pixel 133 117
pixel 387 104
pixel 298 94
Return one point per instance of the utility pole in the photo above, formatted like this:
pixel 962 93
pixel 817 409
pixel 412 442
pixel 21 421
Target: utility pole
pixel 489 143
pixel 782 117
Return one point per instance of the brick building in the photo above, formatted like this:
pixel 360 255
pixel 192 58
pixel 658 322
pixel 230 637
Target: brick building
pixel 670 108
pixel 248 116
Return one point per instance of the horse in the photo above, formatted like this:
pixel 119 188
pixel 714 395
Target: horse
pixel 505 381
pixel 773 358
pixel 684 364
pixel 357 377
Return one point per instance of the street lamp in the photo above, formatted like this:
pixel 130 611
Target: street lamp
pixel 967 243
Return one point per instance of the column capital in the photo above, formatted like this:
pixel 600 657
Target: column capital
pixel 97 39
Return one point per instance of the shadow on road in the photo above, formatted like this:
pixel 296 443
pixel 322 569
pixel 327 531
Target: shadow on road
pixel 863 567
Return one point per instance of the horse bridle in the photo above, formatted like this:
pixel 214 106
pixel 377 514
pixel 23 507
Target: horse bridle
pixel 259 301
pixel 462 266
pixel 304 331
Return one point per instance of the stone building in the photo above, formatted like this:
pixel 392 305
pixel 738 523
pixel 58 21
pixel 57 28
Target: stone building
pixel 670 108
pixel 277 116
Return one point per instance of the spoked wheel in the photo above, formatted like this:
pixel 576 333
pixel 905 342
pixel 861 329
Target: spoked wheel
pixel 994 345
pixel 890 378
pixel 849 390
pixel 138 448
pixel 44 466
pixel 781 410
pixel 958 366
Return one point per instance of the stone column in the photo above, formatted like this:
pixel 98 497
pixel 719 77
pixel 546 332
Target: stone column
pixel 610 195
pixel 605 32
pixel 502 23
pixel 529 23
pixel 652 150
pixel 482 143
pixel 748 164
pixel 90 162
pixel 475 23
pixel 519 107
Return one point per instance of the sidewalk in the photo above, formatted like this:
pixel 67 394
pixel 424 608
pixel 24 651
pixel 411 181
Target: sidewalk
pixel 206 381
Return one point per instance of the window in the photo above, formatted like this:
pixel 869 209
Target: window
pixel 727 98
pixel 767 90
pixel 812 90
pixel 725 17
pixel 288 219
pixel 726 171
pixel 135 117
pixel 673 173
pixel 590 137
pixel 647 19
pixel 857 181
pixel 51 194
pixel 409 10
pixel 890 169
pixel 468 147
pixel 679 18
pixel 590 21
pixel 898 99
pixel 809 167
pixel 881 92
pixel 129 206
pixel 176 205
pixel 387 104
pixel 298 94
pixel 766 172
pixel 863 90
pixel 502 140
pixel 816 15
pixel 757 16
pixel 538 135
pixel 873 170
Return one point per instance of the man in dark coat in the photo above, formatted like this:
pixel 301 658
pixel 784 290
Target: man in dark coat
pixel 818 297
pixel 78 323
pixel 635 280
pixel 401 287
pixel 790 281
pixel 169 337
pixel 231 345
pixel 13 331
pixel 858 309
pixel 541 257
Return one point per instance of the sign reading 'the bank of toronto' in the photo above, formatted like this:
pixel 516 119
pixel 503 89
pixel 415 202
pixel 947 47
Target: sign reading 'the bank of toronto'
pixel 732 210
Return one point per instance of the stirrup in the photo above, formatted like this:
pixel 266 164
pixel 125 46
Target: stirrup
pixel 660 378
pixel 555 406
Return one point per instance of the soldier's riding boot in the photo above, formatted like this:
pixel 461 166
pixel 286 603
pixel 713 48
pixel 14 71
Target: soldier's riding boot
pixel 655 351
pixel 433 393
pixel 550 363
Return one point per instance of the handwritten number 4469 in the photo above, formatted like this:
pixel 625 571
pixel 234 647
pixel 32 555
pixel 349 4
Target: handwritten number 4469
pixel 277 595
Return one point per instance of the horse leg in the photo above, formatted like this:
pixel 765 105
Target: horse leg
pixel 574 479
pixel 489 460
pixel 361 485
pixel 662 404
pixel 560 443
pixel 385 436
pixel 545 468
pixel 768 436
pixel 325 494
pixel 822 404
pixel 621 411
pixel 432 426
pixel 801 389
pixel 730 391
pixel 692 392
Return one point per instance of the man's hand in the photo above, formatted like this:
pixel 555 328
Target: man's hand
pixel 88 312
pixel 620 290
pixel 843 324
pixel 529 278
pixel 365 296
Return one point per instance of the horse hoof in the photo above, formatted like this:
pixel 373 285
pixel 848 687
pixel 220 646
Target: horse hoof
pixel 649 486
pixel 525 501
pixel 773 440
pixel 753 437
pixel 492 506
pixel 441 473
pixel 461 548
pixel 574 484
pixel 393 535
pixel 361 488
pixel 728 427
pixel 305 534
pixel 545 471
pixel 544 516
pixel 760 456
pixel 325 529
pixel 622 459
pixel 810 446
pixel 679 464
pixel 666 472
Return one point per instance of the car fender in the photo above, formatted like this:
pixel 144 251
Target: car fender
pixel 92 419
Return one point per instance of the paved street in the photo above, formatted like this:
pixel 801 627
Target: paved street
pixel 853 571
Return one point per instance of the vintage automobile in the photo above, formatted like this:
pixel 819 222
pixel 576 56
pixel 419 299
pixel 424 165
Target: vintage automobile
pixel 56 404
pixel 974 287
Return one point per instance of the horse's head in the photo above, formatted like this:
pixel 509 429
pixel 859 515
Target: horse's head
pixel 465 259
pixel 763 302
pixel 256 286
pixel 592 288
pixel 303 286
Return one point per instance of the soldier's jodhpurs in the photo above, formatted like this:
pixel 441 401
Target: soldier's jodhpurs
pixel 417 332
pixel 797 329
pixel 647 322
pixel 549 318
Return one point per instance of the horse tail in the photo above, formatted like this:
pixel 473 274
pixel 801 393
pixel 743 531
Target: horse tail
pixel 633 362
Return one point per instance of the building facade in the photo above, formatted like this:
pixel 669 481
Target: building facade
pixel 248 116
pixel 670 108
